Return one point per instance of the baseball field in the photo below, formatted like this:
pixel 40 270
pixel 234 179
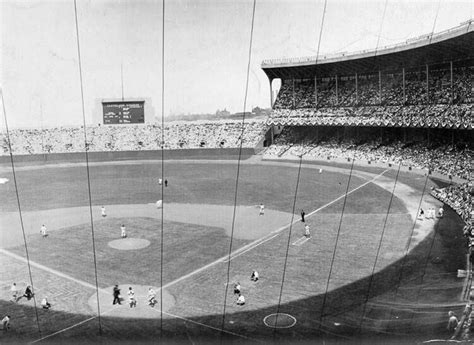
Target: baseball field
pixel 371 271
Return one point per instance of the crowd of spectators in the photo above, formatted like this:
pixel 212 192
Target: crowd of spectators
pixel 381 100
pixel 386 88
pixel 442 157
pixel 432 116
pixel 459 198
pixel 177 135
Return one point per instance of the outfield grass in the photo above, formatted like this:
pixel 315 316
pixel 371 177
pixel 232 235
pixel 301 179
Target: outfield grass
pixel 195 183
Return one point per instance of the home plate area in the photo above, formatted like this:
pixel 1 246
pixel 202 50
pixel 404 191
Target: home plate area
pixel 142 309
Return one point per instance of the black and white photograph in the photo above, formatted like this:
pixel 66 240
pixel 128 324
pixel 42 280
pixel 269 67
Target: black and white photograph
pixel 199 172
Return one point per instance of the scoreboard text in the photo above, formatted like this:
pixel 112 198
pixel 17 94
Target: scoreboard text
pixel 123 112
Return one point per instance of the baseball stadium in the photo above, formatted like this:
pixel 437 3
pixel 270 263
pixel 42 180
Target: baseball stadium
pixel 343 216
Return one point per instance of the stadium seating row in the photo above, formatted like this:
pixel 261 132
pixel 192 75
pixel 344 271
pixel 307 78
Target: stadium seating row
pixel 438 155
pixel 177 135
pixel 431 116
pixel 374 89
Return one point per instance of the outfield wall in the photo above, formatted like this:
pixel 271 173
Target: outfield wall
pixel 219 154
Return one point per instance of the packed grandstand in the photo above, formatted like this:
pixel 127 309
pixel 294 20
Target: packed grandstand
pixel 177 135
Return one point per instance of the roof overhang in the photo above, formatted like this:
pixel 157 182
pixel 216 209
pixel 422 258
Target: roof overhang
pixel 454 45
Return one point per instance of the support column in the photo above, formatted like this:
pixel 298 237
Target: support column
pixel 380 87
pixel 452 89
pixel 271 93
pixel 357 91
pixel 337 96
pixel 294 102
pixel 427 86
pixel 315 93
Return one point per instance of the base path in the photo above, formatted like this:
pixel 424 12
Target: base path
pixel 219 216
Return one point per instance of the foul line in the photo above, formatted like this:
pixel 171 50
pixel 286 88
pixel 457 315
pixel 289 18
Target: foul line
pixel 209 326
pixel 50 270
pixel 254 244
pixel 164 312
pixel 300 241
pixel 73 326
pixel 64 330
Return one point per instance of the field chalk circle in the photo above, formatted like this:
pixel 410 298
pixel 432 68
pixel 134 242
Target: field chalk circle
pixel 279 320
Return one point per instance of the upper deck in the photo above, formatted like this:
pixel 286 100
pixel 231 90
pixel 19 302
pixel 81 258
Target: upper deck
pixel 455 44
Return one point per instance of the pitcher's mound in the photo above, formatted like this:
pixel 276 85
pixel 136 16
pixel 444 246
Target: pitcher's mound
pixel 129 243
pixel 143 310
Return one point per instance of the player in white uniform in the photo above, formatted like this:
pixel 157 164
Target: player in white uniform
pixel 160 181
pixel 43 231
pixel 6 323
pixel 159 204
pixel 102 212
pixel 441 212
pixel 262 210
pixel 152 297
pixel 306 231
pixel 123 232
pixel 241 300
pixel 45 304
pixel 430 213
pixel 14 292
pixel 131 297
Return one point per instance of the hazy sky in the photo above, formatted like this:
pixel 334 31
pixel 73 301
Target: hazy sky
pixel 206 49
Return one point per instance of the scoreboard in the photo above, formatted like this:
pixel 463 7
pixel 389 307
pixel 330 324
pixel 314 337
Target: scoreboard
pixel 123 112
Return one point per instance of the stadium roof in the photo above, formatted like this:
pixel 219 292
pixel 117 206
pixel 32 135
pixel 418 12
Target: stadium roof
pixel 456 44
